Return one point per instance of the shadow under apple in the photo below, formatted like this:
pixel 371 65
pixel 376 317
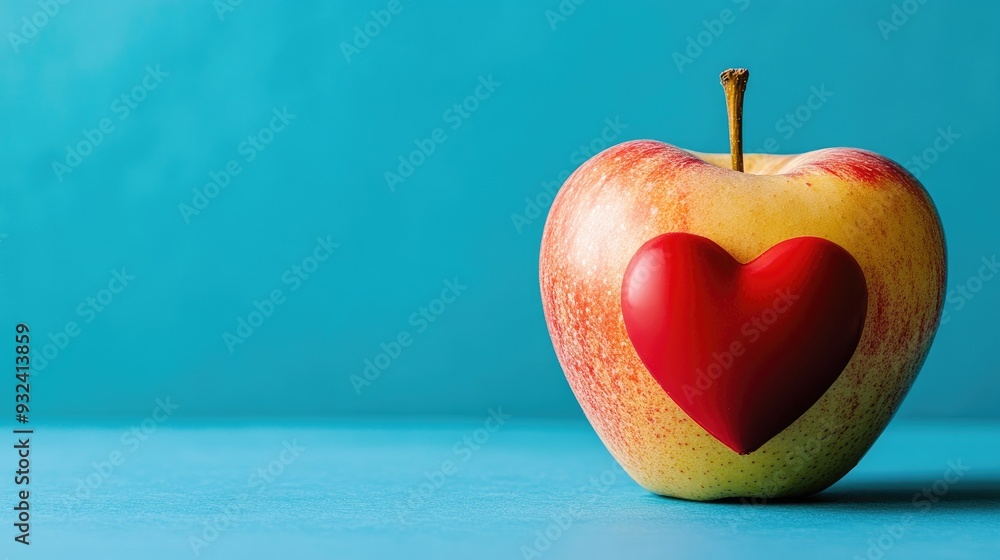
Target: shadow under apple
pixel 888 495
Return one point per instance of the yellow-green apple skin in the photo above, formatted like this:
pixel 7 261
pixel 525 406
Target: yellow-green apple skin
pixel 633 192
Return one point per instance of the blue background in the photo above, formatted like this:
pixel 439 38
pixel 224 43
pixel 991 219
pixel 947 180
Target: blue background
pixel 61 236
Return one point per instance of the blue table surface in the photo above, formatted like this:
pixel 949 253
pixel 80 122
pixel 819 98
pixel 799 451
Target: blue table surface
pixel 415 489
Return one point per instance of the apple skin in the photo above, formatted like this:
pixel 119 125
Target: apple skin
pixel 637 190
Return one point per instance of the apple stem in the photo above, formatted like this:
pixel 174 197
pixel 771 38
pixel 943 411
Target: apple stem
pixel 734 82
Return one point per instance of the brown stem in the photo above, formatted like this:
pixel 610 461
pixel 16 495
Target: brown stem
pixel 734 82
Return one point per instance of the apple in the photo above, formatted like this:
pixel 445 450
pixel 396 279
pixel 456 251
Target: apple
pixel 714 234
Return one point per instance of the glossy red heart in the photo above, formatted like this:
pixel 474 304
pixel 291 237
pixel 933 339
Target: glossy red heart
pixel 744 349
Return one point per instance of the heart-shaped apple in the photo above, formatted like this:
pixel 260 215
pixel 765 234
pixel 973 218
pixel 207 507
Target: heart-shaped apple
pixel 618 363
pixel 743 349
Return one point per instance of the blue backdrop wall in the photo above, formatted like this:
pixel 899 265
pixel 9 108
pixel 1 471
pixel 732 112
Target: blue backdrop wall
pixel 221 202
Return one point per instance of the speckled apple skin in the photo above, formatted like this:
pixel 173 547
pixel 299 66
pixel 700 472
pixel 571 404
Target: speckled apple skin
pixel 632 192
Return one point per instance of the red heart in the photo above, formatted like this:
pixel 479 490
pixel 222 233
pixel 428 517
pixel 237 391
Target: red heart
pixel 744 349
